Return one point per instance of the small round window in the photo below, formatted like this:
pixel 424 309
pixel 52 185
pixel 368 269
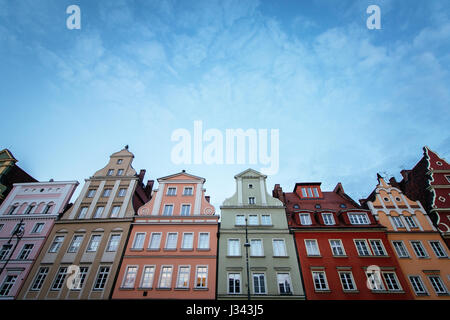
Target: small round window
pixel 318 206
pixel 296 206
pixel 343 205
pixel 441 198
pixel 398 199
pixel 386 199
pixel 439 163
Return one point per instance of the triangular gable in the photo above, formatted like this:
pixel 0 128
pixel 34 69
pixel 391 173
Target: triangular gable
pixel 435 162
pixel 181 176
pixel 250 172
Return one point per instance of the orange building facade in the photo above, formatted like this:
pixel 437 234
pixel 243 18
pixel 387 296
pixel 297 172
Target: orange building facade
pixel 172 248
pixel 418 245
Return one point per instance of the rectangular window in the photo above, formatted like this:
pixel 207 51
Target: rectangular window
pixel 155 241
pixel 251 200
pixel 102 276
pixel 98 212
pixel 438 285
pixel 7 284
pixel 284 283
pixel 310 195
pixel 122 192
pixel 328 218
pixel 139 239
pixel 183 277
pixel 94 243
pixel 171 191
pixel 130 277
pixel 186 210
pixel 59 279
pixel 398 222
pixel 417 285
pixel 347 280
pixel 110 172
pixel 76 242
pixel 188 191
pixel 253 220
pixel 391 281
pixel 358 218
pixel 312 248
pixel 40 278
pixel 410 221
pixel 28 210
pixel 316 193
pixel 188 241
pixel 279 248
pixel 83 212
pixel 256 248
pixel 168 210
pixel 115 211
pixel 419 249
pixel 320 280
pixel 91 193
pixel 171 241
pixel 337 248
pixel 305 219
pixel 400 248
pixel 304 194
pixel 203 240
pixel 56 244
pixel 4 252
pixel 1 226
pixel 119 161
pixel 79 281
pixel 106 192
pixel 113 243
pixel 234 247
pixel 234 283
pixel 38 227
pixel 120 172
pixel 147 277
pixel 165 280
pixel 438 249
pixel 259 283
pixel 201 277
pixel 361 247
pixel 266 220
pixel 26 250
pixel 240 220
pixel 377 247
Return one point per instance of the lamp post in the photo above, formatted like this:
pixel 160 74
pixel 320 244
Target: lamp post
pixel 247 245
pixel 18 233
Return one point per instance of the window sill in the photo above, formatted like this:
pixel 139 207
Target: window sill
pixel 136 249
pixel 239 256
pixel 144 289
pixel 443 294
pixel 257 256
pixel 203 249
pixel 314 256
pixel 351 291
pixel 187 249
pixel 153 250
pixel 163 289
pixel 280 256
pixel 341 256
pixel 170 249
pixel 181 289
pixel 201 289
pixel 126 289
pixel 322 291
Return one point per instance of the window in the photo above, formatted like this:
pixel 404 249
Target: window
pixel 12 209
pixel 38 227
pixel 259 283
pixel 361 246
pixel 328 218
pixel 437 284
pixel 253 220
pixel 251 200
pixel 98 212
pixel 400 248
pixel 168 210
pixel 256 248
pixel 312 249
pixel 347 280
pixel 188 241
pixel 171 241
pixel 122 192
pixel 398 222
pixel 120 172
pixel 316 193
pixel 115 211
pixel 47 209
pixel 75 244
pixel 343 205
pixel 234 247
pixel 1 226
pixel 375 281
pixel 20 227
pixel 155 241
pixel 188 191
pixel 147 277
pixel 83 212
pixel 320 281
pixel 56 244
pixel 186 210
pixel 240 220
pixel 234 283
pixel 7 284
pixel 250 186
pixel 171 191
pixel 113 243
pixel 358 218
pixel 59 279
pixel 438 249
pixel 110 172
pixel 419 249
pixel 165 280
pixel 139 239
pixel 91 193
pixel 102 276
pixel 201 277
pixel 305 219
pixel 79 281
pixel 284 283
pixel 337 248
pixel 6 248
pixel 266 220
pixel 417 285
pixel 130 277
pixel 296 206
pixel 304 194
pixel 94 243
pixel 26 250
pixel 279 248
pixel 29 208
pixel 448 178
pixel 410 221
pixel 106 192
pixel 377 247
pixel 391 281
pixel 39 279
pixel 183 277
pixel 317 206
pixel 119 161
pixel 203 240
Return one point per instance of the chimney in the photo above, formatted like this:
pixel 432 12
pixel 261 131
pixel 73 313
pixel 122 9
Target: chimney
pixel 278 193
pixel 141 175
pixel 207 198
pixel 148 188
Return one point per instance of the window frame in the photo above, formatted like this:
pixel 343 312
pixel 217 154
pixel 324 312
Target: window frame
pixel 185 266
pixel 284 246
pixel 341 246
pixel 239 253
pixel 317 247
pixel 327 288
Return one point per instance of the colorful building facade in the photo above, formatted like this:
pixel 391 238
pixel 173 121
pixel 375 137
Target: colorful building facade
pixel 419 248
pixel 257 256
pixel 429 183
pixel 172 251
pixel 344 253
pixel 31 209
pixel 81 256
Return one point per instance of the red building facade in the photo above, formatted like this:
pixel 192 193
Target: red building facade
pixel 343 250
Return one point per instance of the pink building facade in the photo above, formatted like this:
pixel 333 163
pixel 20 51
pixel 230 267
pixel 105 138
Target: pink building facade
pixel 31 209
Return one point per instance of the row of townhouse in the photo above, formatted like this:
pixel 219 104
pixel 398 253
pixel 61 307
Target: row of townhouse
pixel 122 239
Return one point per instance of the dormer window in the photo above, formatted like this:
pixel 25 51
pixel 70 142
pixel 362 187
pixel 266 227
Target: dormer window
pixel 358 218
pixel 310 192
pixel 119 161
pixel 328 218
pixel 110 172
pixel 120 172
pixel 305 219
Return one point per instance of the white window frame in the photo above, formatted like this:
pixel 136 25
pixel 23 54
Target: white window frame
pixel 106 192
pixel 110 172
pixel 355 288
pixel 383 273
pixel 412 223
pixel 291 289
pixel 196 277
pixel 199 242
pixel 120 172
pixel 59 244
pixel 188 277
pixel 375 252
pixel 398 223
pixel 269 219
pixel 310 254
pixel 96 213
pixel 133 247
pixel 236 220
pixel 169 193
pixel 341 246
pixel 417 293
pixel 39 279
pixel 251 200
pixel 184 191
pixel 122 192
pixel 125 276
pixel 91 193
pixel 83 212
pixel 327 288
pixel 355 218
pixel 367 247
pixel 114 212
pixel 35 227
pixel 422 247
pixel 265 283
pixel 59 281
pixel 90 241
pixel 141 284
pixel 167 241
pixel 238 247
pixel 9 284
pixel 441 283
pixel 26 251
pixel 183 241
pixel 69 248
pixel 97 277
pixel 234 282
pixel 257 220
pixel 441 247
pixel 181 209
pixel 171 211
pixel 403 247
pixel 308 219
pixel 284 245
pixel 380 278
pixel 161 274
pixel 159 242
pixel 108 245
pixel 328 214
pixel 252 248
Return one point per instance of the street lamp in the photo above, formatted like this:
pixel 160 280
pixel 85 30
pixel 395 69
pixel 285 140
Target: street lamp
pixel 18 233
pixel 247 245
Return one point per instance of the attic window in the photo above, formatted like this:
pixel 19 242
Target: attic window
pixel 318 206
pixel 119 161
pixel 250 186
pixel 386 199
pixel 309 192
pixel 342 205
pixel 439 163
pixel 296 206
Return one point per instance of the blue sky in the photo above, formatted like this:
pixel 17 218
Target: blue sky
pixel 348 101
